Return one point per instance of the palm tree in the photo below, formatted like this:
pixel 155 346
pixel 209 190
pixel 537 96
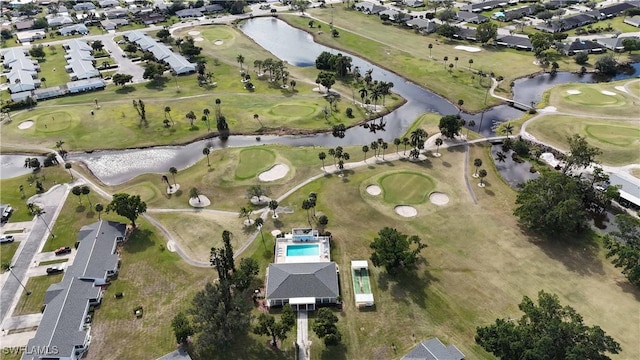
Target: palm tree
pixel 438 143
pixel 446 59
pixel 482 173
pixel 405 142
pixel 68 167
pixel 470 62
pixel 258 65
pixel 508 129
pixel 256 117
pixel 456 60
pixel 37 211
pixel 417 138
pixel 245 213
pixel 194 194
pixel 44 81
pixel 293 85
pixel 500 156
pixel 397 143
pixel 469 126
pixel 430 47
pixel 167 111
pixel 460 103
pixel 240 60
pixel 258 222
pixel 374 146
pixel 206 113
pixel 191 116
pixel 477 163
pixel 322 156
pixel 59 144
pixel 21 188
pixel 218 112
pixel 173 171
pixel 77 191
pixel 363 94
pixel 99 208
pixel 206 151
pixel 85 191
pixel 306 205
pixel 332 152
pixel 384 147
pixel 273 205
pixel 365 150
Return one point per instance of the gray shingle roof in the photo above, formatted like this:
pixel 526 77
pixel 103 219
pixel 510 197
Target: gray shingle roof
pixel 434 349
pixel 291 280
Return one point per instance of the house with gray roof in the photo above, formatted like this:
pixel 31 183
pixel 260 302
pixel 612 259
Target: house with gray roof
pixel 434 349
pixel 633 21
pixel 514 42
pixel 86 6
pixel 189 13
pixel 423 25
pixel 302 285
pixel 79 86
pixel 22 70
pixel 413 3
pixel 369 8
pixel 179 64
pixel 471 17
pixel 585 46
pixel 484 6
pixel 56 21
pixel 615 44
pixel 112 24
pixel 73 29
pixel 64 332
pixel 116 13
pixel 80 61
pixel 30 35
pixel 108 3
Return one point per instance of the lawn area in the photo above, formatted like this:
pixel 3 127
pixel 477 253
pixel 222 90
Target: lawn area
pixel 467 280
pixel 407 53
pixel 186 229
pixel 406 187
pixel 38 285
pixel 53 67
pixel 6 254
pixel 617 139
pixel 51 262
pixel 593 99
pixel 253 161
pixel 10 194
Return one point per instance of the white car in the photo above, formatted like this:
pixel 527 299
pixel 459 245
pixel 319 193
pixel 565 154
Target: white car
pixel 7 239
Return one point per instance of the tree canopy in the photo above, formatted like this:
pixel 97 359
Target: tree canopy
pixel 581 154
pixel 129 206
pixel 450 126
pixel 325 327
pixel 267 325
pixel 548 331
pixel 181 328
pixel 551 204
pixel 121 79
pixel 624 247
pixel 392 249
pixel 338 63
pixel 486 31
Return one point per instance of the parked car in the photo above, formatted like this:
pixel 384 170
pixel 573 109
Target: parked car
pixel 63 250
pixel 7 239
pixel 55 270
pixel 6 213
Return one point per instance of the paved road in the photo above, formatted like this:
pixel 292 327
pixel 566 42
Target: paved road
pixel 11 288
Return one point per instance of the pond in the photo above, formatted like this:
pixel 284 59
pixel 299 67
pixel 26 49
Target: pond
pixel 13 165
pixel 513 172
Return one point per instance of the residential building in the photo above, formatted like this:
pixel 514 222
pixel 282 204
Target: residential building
pixel 64 331
pixel 108 3
pixel 583 46
pixel 179 64
pixel 467 16
pixel 423 25
pixel 116 13
pixel 484 6
pixel 73 29
pixel 60 20
pixel 24 25
pixel 152 18
pixel 79 86
pixel 466 34
pixel 567 23
pixel 30 35
pixel 514 42
pixel 189 13
pixel 611 11
pixel 370 8
pixel 302 285
pixel 615 44
pixel 413 3
pixel 633 21
pixel 434 349
pixel 515 14
pixel 85 6
pixel 112 24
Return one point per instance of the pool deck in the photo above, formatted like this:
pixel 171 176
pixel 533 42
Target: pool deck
pixel 281 251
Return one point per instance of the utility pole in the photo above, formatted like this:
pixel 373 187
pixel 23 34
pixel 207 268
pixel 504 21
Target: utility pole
pixel 19 282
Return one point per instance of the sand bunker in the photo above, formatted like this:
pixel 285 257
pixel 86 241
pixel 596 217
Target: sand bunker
pixel 276 232
pixel 574 92
pixel 278 171
pixel 438 198
pixel 171 246
pixel 468 48
pixel 406 211
pixel 374 190
pixel 549 109
pixel 218 42
pixel 609 93
pixel 194 33
pixel 199 202
pixel 197 39
pixel 621 89
pixel 25 125
pixel 172 189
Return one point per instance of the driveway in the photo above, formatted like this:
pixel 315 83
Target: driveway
pixel 125 65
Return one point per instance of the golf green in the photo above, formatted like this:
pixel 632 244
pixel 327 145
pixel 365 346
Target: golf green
pixel 614 135
pixel 592 96
pixel 253 161
pixel 406 187
pixel 292 110
pixel 55 121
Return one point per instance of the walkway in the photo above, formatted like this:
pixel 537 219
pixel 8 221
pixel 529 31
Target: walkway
pixel 302 338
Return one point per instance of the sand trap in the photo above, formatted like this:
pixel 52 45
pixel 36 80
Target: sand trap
pixel 278 171
pixel 262 200
pixel 438 198
pixel 194 33
pixel 197 39
pixel 574 92
pixel 374 190
pixel 406 211
pixel 172 189
pixel 218 42
pixel 468 48
pixel 549 109
pixel 199 202
pixel 609 93
pixel 621 89
pixel 276 232
pixel 171 246
pixel 248 222
pixel 25 125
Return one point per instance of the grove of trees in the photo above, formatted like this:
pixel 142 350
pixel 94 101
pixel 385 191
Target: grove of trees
pixel 393 250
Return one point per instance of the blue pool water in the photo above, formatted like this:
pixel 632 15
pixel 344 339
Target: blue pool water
pixel 303 250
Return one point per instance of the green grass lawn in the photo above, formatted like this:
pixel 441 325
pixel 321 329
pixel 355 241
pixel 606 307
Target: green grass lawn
pixel 406 187
pixel 53 67
pixel 617 139
pixel 6 254
pixel 50 262
pixel 11 194
pixel 10 354
pixel 38 285
pixel 253 161
pixel 593 99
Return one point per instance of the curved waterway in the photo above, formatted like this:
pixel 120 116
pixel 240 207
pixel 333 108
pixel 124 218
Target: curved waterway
pixel 298 48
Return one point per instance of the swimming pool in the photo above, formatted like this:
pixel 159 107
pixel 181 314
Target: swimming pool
pixel 303 250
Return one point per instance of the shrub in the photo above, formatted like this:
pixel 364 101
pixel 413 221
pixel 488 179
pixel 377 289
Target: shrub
pixel 349 112
pixel 581 58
